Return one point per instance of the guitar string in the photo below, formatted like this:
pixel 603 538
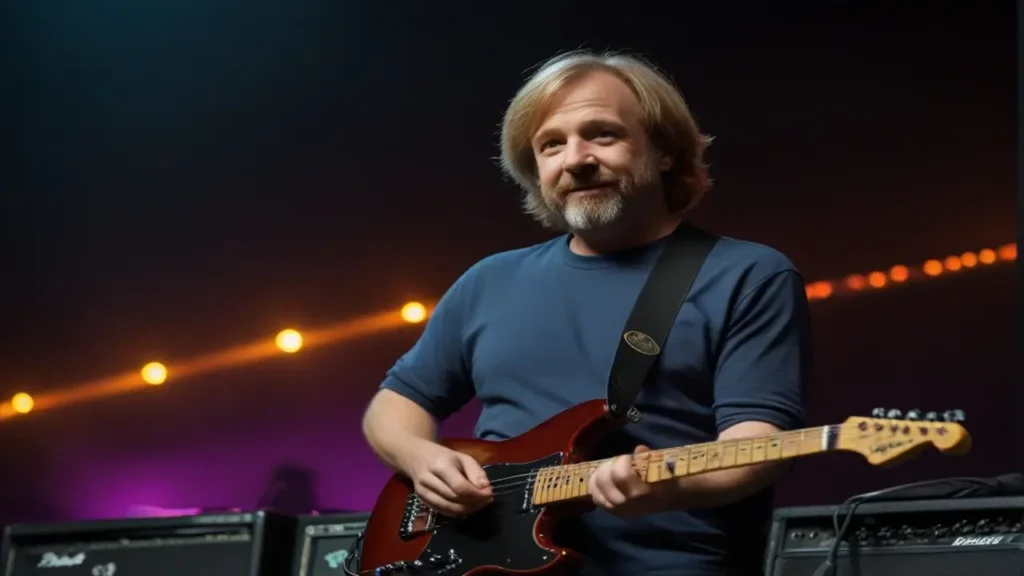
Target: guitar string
pixel 512 483
pixel 669 452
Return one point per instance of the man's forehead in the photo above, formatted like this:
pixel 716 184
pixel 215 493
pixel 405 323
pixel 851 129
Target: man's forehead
pixel 596 96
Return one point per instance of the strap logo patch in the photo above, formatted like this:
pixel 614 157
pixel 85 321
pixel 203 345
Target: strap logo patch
pixel 642 343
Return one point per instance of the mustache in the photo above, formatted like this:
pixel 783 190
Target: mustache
pixel 577 186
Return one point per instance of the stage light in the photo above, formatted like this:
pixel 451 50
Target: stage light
pixel 154 373
pixel 22 403
pixel 877 279
pixel 1008 252
pixel 952 263
pixel 818 290
pixel 899 273
pixel 969 259
pixel 855 282
pixel 987 256
pixel 414 312
pixel 933 267
pixel 289 341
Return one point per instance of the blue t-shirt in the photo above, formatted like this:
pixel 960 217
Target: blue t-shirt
pixel 532 332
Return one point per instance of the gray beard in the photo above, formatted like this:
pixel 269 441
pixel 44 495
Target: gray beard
pixel 584 214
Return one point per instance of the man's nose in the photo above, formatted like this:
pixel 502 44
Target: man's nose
pixel 578 158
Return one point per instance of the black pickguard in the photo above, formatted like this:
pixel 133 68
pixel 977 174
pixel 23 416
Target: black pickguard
pixel 499 535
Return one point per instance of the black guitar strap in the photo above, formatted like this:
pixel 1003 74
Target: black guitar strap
pixel 652 317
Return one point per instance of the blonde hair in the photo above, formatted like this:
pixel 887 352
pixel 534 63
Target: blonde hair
pixel 666 118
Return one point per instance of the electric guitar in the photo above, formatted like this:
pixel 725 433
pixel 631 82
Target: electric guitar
pixel 541 476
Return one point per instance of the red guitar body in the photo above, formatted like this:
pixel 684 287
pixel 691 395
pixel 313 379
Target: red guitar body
pixel 510 535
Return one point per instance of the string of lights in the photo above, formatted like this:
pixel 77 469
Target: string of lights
pixel 899 274
pixel 291 341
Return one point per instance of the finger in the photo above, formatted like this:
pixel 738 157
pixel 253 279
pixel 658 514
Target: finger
pixel 622 472
pixel 640 449
pixel 439 487
pixel 595 487
pixel 600 501
pixel 627 479
pixel 442 505
pixel 453 477
pixel 606 486
pixel 474 472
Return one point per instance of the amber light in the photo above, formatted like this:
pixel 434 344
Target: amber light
pixel 899 273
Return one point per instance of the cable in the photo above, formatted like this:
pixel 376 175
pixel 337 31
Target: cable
pixel 828 568
pixel 355 550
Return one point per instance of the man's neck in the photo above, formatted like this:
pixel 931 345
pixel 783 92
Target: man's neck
pixel 605 242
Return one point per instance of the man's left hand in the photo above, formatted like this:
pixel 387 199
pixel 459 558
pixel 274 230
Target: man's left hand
pixel 617 487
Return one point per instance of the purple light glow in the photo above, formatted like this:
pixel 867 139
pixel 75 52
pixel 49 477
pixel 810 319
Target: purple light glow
pixel 228 473
pixel 142 511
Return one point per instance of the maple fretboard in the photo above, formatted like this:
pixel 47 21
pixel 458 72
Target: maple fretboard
pixel 569 482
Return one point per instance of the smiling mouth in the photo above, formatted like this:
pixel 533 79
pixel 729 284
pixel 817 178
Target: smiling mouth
pixel 591 189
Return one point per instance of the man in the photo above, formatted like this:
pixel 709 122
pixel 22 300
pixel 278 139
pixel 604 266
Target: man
pixel 608 153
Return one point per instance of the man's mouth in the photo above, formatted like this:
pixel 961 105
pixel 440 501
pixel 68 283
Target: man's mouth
pixel 593 189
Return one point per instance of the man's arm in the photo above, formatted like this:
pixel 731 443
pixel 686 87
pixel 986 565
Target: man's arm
pixel 761 375
pixel 426 385
pixel 396 428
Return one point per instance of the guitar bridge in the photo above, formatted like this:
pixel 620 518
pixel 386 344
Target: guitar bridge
pixel 417 519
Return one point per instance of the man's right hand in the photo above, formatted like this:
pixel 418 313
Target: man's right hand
pixel 450 482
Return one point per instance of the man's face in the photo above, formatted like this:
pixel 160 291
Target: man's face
pixel 594 160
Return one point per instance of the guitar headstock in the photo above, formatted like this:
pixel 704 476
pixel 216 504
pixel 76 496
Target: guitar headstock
pixel 889 436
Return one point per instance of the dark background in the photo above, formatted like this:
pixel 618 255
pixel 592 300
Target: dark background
pixel 185 176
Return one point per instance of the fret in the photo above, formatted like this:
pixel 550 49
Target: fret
pixel 698 455
pixel 743 452
pixel 790 447
pixel 655 467
pixel 538 486
pixel 757 450
pixel 579 480
pixel 714 461
pixel 728 455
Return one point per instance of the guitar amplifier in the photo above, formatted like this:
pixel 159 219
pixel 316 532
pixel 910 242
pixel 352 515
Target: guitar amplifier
pixel 968 537
pixel 324 543
pixel 237 544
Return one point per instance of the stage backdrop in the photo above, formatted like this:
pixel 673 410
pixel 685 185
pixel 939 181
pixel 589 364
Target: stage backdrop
pixel 287 432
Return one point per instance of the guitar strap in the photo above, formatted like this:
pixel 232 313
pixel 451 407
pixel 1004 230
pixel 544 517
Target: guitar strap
pixel 653 315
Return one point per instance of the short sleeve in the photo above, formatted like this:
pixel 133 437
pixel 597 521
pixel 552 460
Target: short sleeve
pixel 434 373
pixel 765 360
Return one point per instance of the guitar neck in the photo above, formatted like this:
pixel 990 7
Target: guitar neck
pixel 569 482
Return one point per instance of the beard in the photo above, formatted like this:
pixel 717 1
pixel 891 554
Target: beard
pixel 599 209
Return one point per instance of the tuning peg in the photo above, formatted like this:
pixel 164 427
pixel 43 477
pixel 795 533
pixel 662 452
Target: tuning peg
pixel 894 414
pixel 914 414
pixel 878 413
pixel 931 417
pixel 954 416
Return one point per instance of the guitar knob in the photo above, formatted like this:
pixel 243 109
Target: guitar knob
pixel 878 413
pixel 931 417
pixel 894 414
pixel 914 414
